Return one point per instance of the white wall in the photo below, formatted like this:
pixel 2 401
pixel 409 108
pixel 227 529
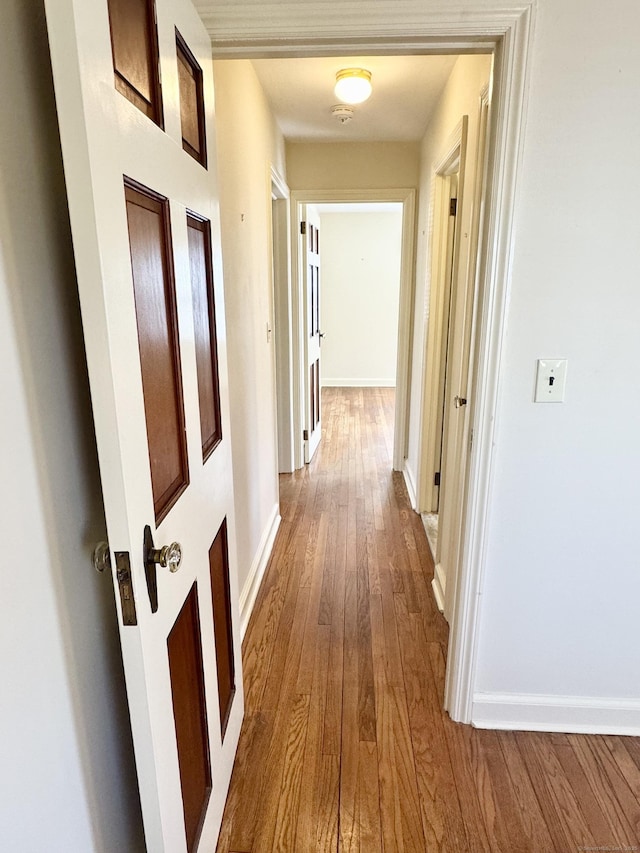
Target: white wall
pixel 360 287
pixel 67 781
pixel 249 142
pixel 460 96
pixel 560 602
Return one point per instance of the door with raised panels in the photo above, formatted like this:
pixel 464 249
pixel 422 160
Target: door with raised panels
pixel 134 90
pixel 310 254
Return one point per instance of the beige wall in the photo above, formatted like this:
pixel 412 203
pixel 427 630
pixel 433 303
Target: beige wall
pixel 461 96
pixel 352 165
pixel 248 143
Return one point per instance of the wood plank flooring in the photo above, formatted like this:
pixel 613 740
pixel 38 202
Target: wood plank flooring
pixel 345 746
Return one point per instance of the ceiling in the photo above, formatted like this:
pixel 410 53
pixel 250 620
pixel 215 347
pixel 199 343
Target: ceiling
pixel 405 92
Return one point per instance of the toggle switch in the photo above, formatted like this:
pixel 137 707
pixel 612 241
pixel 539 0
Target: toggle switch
pixel 551 375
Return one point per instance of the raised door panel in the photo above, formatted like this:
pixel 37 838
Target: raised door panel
pixel 223 630
pixel 155 302
pixel 189 710
pixel 191 102
pixel 134 43
pixel 204 326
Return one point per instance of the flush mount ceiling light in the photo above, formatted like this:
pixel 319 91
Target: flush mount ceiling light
pixel 353 85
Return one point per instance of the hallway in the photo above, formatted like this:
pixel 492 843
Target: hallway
pixel 345 745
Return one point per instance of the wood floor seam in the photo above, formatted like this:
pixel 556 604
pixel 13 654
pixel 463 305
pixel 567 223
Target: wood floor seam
pixel 345 746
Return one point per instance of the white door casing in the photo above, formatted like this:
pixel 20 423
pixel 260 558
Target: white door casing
pixel 104 137
pixel 406 197
pixel 463 361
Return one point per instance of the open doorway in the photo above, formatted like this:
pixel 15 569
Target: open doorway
pixel 361 266
pixel 351 265
pixel 402 203
pixel 506 37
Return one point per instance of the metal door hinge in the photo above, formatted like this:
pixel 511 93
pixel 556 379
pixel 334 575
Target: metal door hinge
pixel 453 207
pixel 305 435
pixel 436 478
pixel 303 227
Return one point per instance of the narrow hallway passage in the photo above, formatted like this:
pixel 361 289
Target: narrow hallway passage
pixel 345 746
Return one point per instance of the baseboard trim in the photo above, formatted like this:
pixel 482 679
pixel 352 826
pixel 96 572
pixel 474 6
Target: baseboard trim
pixel 256 573
pixel 569 714
pixel 438 585
pixel 410 483
pixel 358 383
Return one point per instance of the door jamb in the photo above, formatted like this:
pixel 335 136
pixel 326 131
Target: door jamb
pixel 432 393
pixel 407 197
pixel 508 32
pixel 282 321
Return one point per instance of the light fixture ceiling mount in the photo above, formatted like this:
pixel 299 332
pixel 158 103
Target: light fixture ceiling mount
pixel 353 85
pixel 342 112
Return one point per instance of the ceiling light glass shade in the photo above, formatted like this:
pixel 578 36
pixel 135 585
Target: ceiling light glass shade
pixel 353 85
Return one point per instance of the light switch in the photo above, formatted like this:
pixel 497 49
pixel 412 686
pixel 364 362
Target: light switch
pixel 550 380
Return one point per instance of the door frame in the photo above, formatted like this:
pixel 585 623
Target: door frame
pixel 407 197
pixel 507 32
pixel 281 324
pixel 451 160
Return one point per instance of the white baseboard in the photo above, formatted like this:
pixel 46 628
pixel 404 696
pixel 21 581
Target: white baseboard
pixel 410 483
pixel 358 383
pixel 569 714
pixel 439 585
pixel 252 584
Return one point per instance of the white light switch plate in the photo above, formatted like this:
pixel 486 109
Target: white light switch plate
pixel 551 376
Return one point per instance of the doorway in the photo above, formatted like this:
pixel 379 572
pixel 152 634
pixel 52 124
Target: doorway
pixel 507 36
pixel 405 199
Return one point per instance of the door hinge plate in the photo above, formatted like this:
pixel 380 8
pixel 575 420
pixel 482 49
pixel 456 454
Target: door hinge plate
pixel 125 585
pixel 453 207
pixel 436 478
pixel 303 227
pixel 305 435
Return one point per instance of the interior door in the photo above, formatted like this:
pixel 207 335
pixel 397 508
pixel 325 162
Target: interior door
pixel 310 254
pixel 452 193
pixel 134 90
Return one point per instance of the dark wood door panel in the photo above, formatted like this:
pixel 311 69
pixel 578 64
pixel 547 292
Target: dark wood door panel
pixel 223 629
pixel 204 323
pixel 191 102
pixel 134 43
pixel 155 300
pixel 189 710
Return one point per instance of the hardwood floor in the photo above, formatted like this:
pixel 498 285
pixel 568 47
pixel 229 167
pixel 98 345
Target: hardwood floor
pixel 345 746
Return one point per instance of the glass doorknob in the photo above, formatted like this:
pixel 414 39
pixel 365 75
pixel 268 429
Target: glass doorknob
pixel 169 556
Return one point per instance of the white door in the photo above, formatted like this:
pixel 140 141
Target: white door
pixel 145 223
pixel 310 255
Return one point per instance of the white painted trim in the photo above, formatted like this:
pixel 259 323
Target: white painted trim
pixel 256 572
pixel 438 588
pixel 279 184
pixel 290 29
pixel 407 197
pixel 494 276
pixel 432 387
pixel 280 268
pixel 410 482
pixel 358 383
pixel 540 713
pixel 304 29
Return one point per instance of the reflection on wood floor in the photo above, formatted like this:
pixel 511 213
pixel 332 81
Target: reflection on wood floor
pixel 345 746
